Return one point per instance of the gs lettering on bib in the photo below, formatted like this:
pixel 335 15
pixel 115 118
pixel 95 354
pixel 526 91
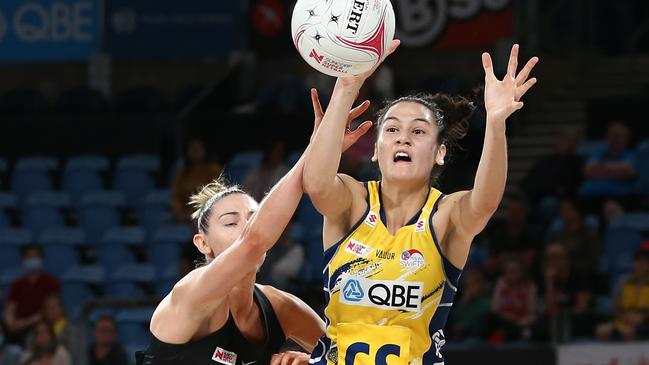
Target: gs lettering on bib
pixel 365 344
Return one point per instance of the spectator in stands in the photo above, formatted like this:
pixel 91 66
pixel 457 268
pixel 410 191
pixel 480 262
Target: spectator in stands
pixel 513 305
pixel 631 320
pixel 27 295
pixel 9 354
pixel 471 308
pixel 54 314
pixel 284 262
pixel 106 350
pixel 558 174
pixel 611 172
pixel 514 236
pixel 567 297
pixel 197 171
pixel 579 240
pixel 43 348
pixel 272 168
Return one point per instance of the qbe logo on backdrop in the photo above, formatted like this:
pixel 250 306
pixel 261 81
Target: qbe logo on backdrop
pixel 48 30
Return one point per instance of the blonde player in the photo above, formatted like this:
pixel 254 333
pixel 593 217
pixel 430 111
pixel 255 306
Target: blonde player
pixel 395 248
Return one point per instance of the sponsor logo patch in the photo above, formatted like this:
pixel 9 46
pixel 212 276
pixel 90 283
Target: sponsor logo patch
pixel 384 255
pixel 383 294
pixel 412 259
pixel 371 219
pixel 420 226
pixel 224 356
pixel 357 248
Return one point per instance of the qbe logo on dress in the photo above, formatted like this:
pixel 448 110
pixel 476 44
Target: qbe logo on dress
pixel 382 294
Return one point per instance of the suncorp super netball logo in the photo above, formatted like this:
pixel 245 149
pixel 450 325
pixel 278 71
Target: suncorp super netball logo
pixel 3 26
pixel 421 21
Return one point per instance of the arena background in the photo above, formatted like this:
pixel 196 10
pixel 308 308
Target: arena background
pixel 99 101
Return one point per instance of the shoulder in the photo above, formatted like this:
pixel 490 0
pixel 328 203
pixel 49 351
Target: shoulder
pixel 354 185
pixel 450 201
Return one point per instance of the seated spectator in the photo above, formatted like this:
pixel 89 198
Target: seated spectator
pixel 567 297
pixel 43 348
pixel 558 174
pixel 579 240
pixel 272 168
pixel 106 350
pixel 631 320
pixel 611 172
pixel 471 308
pixel 9 354
pixel 54 314
pixel 27 295
pixel 513 305
pixel 513 236
pixel 196 172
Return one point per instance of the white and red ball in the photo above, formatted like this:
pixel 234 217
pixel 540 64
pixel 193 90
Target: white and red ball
pixel 342 37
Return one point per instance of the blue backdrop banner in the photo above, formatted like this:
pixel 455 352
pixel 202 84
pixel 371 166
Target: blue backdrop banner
pixel 172 29
pixel 48 30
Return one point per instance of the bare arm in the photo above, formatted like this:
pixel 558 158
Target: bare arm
pixel 502 98
pixel 327 191
pixel 299 322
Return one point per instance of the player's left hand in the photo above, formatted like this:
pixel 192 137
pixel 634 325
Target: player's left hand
pixel 502 97
pixel 290 358
pixel 351 136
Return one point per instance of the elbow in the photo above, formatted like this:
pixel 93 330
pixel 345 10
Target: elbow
pixel 486 208
pixel 254 242
pixel 314 184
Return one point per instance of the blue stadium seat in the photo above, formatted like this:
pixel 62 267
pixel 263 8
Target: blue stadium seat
pixel 590 148
pixel 241 164
pixel 635 220
pixel 82 174
pixel 642 167
pixel 312 268
pixel 8 274
pixel 60 248
pixel 135 176
pixel 165 246
pixel 32 174
pixel 99 211
pixel 132 281
pixel 116 248
pixel 620 244
pixel 293 157
pixel 166 280
pixel 307 215
pixel 7 202
pixel 133 326
pixel 45 210
pixel 11 239
pixel 155 210
pixel 81 283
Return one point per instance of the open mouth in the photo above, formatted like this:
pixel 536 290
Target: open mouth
pixel 401 157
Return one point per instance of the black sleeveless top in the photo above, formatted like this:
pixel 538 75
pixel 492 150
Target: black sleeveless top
pixel 226 346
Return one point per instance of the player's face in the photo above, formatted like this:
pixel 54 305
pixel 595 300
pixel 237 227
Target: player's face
pixel 229 216
pixel 407 146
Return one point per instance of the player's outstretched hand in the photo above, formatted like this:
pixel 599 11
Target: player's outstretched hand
pixel 351 136
pixel 358 80
pixel 503 97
